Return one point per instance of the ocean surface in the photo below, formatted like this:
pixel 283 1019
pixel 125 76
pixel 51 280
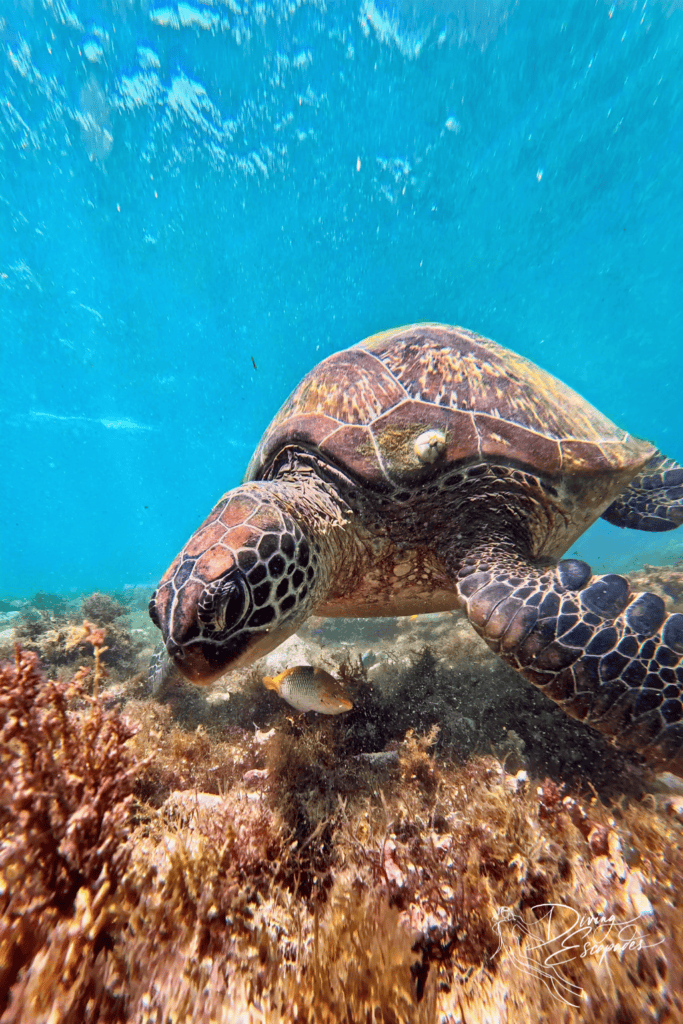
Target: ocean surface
pixel 198 201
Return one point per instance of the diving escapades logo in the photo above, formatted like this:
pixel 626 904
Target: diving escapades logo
pixel 559 935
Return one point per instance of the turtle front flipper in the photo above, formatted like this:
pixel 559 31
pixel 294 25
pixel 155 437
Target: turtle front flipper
pixel 607 656
pixel 653 501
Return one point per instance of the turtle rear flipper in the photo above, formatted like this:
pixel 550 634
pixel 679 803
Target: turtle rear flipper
pixel 607 656
pixel 653 501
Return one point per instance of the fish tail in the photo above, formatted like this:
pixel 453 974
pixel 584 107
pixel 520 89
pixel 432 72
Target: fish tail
pixel 270 682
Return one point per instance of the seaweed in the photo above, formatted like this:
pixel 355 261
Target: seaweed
pixel 102 609
pixel 177 864
pixel 54 605
pixel 66 799
pixel 293 894
pixel 49 624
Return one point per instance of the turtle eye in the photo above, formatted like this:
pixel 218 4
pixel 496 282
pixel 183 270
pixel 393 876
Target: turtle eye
pixel 224 603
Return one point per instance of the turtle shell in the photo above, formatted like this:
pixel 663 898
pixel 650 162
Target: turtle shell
pixel 364 408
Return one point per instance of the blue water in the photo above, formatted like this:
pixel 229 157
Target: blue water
pixel 185 187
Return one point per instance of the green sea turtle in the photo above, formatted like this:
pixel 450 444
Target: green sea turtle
pixel 426 469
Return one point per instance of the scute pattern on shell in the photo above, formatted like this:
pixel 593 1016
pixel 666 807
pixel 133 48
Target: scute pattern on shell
pixel 350 386
pixel 363 408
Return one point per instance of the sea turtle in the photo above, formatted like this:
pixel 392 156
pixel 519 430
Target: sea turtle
pixel 428 468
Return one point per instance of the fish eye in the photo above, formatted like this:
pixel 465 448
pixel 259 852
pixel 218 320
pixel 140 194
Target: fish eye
pixel 224 603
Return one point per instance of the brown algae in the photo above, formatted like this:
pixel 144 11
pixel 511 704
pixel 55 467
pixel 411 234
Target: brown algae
pixel 159 867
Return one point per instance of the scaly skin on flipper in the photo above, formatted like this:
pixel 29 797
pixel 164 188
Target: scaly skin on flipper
pixel 609 657
pixel 653 501
pixel 427 468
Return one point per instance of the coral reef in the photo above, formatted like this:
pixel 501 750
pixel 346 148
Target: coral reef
pixel 151 873
pixel 452 849
pixel 49 623
pixel 102 609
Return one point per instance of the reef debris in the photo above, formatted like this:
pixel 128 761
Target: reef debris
pixel 311 885
pixel 448 850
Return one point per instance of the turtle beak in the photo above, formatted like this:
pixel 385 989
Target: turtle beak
pixel 202 662
pixel 192 662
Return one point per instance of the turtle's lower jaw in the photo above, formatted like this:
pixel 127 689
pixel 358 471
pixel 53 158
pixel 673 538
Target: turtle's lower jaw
pixel 194 665
pixel 202 663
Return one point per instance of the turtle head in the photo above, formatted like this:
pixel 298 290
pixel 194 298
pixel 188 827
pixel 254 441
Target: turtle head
pixel 241 585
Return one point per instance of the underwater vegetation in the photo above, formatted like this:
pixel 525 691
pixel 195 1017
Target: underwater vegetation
pixel 173 861
pixel 50 626
pixel 65 813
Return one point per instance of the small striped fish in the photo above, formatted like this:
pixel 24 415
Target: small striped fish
pixel 310 689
